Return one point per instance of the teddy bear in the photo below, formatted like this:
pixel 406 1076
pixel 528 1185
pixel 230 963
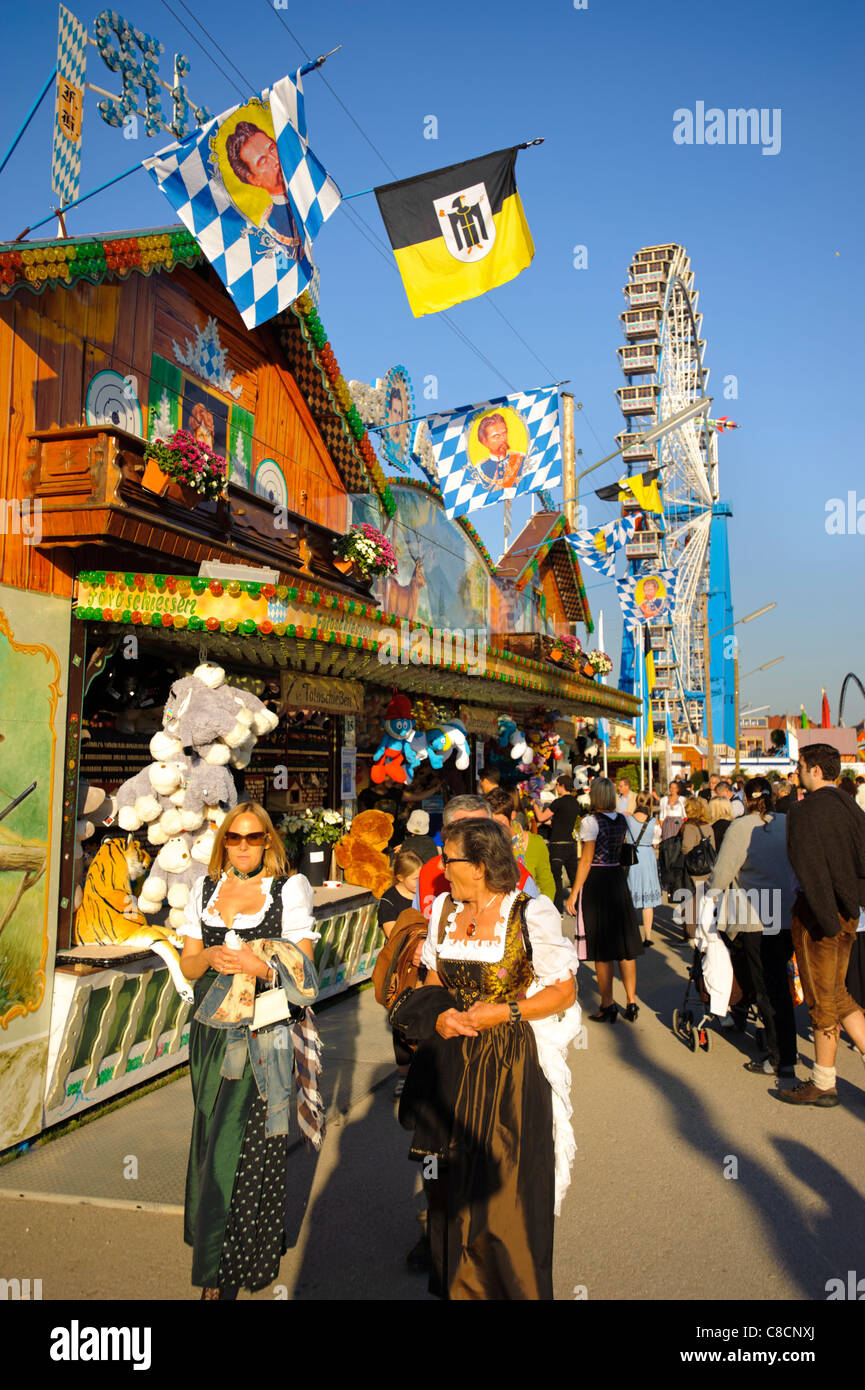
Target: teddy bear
pixel 94 808
pixel 359 853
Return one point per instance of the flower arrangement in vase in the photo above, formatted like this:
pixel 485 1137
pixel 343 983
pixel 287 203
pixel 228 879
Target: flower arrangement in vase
pixel 184 469
pixel 366 550
pixel 306 836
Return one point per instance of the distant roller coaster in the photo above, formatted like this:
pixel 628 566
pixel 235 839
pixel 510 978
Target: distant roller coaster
pixel 849 677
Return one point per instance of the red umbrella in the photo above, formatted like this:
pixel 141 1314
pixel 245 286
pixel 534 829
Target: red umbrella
pixel 825 717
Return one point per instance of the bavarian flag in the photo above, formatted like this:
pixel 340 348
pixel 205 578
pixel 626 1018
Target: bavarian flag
pixel 457 232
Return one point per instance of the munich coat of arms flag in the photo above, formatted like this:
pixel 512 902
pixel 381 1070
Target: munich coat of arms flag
pixel 253 195
pixel 457 232
pixel 497 450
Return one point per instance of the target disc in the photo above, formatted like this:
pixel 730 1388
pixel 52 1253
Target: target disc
pixel 270 483
pixel 112 399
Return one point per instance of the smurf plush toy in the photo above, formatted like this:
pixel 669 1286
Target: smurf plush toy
pixel 395 758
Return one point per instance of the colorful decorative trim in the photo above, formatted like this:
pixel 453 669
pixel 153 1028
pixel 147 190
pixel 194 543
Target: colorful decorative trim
pixel 41 265
pixel 138 585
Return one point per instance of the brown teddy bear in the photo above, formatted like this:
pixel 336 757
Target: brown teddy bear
pixel 359 853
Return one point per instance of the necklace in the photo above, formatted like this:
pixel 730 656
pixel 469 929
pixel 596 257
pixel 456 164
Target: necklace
pixel 238 873
pixel 473 924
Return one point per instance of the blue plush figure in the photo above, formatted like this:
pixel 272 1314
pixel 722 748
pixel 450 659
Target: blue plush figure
pixel 395 758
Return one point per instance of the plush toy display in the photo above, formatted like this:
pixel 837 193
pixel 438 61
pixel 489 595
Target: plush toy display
pixel 395 758
pixel 188 788
pixel 512 739
pixel 109 913
pixel 359 853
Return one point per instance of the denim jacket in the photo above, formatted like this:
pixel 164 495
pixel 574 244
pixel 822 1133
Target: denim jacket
pixel 270 1051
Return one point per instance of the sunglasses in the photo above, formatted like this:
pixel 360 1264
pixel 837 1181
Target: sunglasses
pixel 257 837
pixel 446 861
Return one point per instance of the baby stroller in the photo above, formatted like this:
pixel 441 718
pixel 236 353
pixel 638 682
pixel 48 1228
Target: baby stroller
pixel 716 978
pixel 690 1023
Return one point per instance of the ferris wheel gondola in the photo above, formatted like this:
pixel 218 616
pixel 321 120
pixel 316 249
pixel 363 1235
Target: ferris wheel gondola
pixel 663 361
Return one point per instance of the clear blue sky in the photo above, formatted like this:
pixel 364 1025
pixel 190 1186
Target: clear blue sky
pixel 772 239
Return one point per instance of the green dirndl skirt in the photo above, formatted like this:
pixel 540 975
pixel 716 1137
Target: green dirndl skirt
pixel 234 1217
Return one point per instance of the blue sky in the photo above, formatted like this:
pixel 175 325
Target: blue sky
pixel 772 239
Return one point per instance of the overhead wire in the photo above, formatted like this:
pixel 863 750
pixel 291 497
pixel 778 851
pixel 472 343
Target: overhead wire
pixel 249 86
pixel 209 56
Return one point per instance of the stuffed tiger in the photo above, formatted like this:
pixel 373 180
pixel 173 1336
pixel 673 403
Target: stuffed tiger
pixel 109 913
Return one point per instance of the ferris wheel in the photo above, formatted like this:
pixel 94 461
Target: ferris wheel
pixel 663 361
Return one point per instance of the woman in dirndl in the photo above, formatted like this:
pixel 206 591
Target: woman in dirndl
pixel 607 929
pixel 236 1179
pixel 487 1093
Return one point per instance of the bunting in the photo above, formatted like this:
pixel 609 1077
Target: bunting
pixel 599 547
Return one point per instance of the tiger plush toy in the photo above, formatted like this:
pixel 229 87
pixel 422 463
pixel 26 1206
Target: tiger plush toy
pixel 109 913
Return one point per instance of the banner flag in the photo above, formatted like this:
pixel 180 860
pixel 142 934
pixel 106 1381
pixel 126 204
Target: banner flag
pixel 648 598
pixel 457 232
pixel 69 115
pixel 640 486
pixel 254 196
pixel 598 547
pixel 497 450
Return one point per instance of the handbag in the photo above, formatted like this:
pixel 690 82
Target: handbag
pixel 700 860
pixel 628 854
pixel 271 1006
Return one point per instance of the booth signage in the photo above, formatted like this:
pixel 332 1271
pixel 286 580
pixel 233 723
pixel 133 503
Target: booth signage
pixel 326 693
pixel 479 720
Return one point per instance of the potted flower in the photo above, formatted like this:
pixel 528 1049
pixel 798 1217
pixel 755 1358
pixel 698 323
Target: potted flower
pixel 184 469
pixel 597 664
pixel 366 551
pixel 307 838
pixel 567 649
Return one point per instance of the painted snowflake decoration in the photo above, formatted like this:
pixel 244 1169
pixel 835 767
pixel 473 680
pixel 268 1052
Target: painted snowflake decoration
pixel 206 358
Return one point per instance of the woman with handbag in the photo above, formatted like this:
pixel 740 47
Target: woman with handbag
pixel 671 814
pixel 235 1185
pixel 644 884
pixel 698 858
pixel 487 1093
pixel 607 929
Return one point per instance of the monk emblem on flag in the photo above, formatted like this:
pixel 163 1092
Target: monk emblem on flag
pixel 466 222
pixel 498 441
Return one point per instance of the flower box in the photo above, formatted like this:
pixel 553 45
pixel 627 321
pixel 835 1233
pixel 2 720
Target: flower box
pixel 154 480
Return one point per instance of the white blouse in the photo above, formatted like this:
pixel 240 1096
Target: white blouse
pixel 297 902
pixel 589 825
pixel 554 957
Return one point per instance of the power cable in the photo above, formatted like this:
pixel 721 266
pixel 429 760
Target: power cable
pixel 249 86
pixel 208 56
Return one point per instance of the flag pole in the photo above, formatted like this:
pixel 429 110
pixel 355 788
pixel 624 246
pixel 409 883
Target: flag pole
pixel 639 631
pixel 602 648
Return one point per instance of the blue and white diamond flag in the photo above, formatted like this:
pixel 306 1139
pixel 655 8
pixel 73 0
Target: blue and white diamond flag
pixel 598 548
pixel 497 450
pixel 254 196
pixel 648 598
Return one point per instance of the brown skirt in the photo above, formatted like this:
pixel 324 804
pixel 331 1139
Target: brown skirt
pixel 491 1189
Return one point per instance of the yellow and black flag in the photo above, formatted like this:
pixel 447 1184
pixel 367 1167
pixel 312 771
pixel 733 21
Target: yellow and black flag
pixel 457 232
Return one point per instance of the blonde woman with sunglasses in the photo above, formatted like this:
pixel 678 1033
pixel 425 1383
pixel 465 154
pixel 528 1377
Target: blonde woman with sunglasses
pixel 235 1185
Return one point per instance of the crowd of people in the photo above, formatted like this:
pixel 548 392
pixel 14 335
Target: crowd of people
pixel 486 921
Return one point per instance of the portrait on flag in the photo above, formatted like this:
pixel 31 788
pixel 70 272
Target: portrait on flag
pixel 497 450
pixel 245 153
pixel 648 598
pixel 398 405
pixel 497 445
pixel 254 196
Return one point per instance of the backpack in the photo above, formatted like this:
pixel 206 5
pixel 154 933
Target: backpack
pixel 701 859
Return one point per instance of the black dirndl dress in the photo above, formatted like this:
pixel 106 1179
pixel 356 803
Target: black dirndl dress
pixel 606 910
pixel 236 1179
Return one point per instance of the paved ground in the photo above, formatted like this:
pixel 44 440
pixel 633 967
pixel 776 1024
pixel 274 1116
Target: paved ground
pixel 691 1180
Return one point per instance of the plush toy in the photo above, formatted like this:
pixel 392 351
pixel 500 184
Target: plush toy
pixel 458 735
pixel 264 721
pixel 511 738
pixel 208 785
pixel 395 758
pixel 94 809
pixel 198 713
pixel 110 915
pixel 432 744
pixel 359 853
pixel 138 799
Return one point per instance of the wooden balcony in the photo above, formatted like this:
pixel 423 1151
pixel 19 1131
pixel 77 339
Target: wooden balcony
pixel 638 400
pixel 641 323
pixel 634 449
pixel 645 294
pixel 649 270
pixel 88 481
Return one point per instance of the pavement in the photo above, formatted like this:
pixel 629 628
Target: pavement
pixel 691 1181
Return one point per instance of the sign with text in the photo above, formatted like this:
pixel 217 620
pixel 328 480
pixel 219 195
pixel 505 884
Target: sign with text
pixel 326 693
